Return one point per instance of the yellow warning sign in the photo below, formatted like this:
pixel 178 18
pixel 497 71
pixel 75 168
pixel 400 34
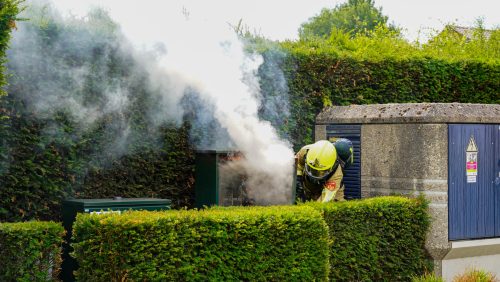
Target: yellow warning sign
pixel 472 147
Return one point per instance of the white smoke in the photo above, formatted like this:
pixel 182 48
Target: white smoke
pixel 201 54
pixel 211 58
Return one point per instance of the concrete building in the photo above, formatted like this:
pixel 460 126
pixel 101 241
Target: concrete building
pixel 413 148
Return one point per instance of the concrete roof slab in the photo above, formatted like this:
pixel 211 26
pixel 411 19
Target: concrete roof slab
pixel 411 113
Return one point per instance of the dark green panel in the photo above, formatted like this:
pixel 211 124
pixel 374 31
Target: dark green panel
pixel 206 183
pixel 134 203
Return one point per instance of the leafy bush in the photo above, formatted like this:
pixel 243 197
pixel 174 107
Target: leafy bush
pixel 9 9
pixel 30 251
pixel 354 17
pixel 377 239
pixel 250 244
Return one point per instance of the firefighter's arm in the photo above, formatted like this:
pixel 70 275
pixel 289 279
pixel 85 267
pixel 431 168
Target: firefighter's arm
pixel 300 161
pixel 331 186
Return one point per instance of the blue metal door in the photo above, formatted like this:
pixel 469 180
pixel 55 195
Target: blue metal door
pixel 473 201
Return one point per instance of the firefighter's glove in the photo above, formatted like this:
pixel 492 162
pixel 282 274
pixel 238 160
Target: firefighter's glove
pixel 299 189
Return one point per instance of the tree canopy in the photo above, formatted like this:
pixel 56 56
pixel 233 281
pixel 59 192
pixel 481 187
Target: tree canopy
pixel 354 16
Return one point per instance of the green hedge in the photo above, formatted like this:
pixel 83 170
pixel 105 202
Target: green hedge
pixel 246 244
pixel 9 10
pixel 321 77
pixel 377 239
pixel 30 251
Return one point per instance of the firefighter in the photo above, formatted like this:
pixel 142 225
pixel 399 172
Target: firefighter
pixel 320 170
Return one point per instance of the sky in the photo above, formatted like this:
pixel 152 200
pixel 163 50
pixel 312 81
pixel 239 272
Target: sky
pixel 280 19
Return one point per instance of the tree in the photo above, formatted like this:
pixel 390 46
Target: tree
pixel 354 17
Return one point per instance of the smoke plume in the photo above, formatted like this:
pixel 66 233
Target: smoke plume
pixel 197 70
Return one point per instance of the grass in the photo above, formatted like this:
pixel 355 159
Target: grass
pixel 473 275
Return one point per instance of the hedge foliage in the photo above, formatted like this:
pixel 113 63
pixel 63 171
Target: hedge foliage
pixel 231 244
pixel 9 10
pixel 377 239
pixel 30 251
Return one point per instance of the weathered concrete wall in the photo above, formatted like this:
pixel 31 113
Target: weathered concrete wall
pixel 320 132
pixel 409 159
pixel 404 158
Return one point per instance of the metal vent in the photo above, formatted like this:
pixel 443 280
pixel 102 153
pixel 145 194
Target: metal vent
pixel 352 177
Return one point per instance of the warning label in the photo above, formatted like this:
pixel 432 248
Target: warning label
pixel 471 164
pixel 471 178
pixel 471 161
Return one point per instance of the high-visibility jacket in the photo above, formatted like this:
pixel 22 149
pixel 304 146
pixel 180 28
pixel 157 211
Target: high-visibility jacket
pixel 332 189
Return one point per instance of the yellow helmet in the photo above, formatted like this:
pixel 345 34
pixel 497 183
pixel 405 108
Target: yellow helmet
pixel 320 160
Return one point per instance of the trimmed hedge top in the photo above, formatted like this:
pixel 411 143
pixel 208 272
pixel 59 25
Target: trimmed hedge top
pixel 251 244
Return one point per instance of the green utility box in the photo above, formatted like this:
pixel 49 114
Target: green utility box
pixel 73 206
pixel 220 179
